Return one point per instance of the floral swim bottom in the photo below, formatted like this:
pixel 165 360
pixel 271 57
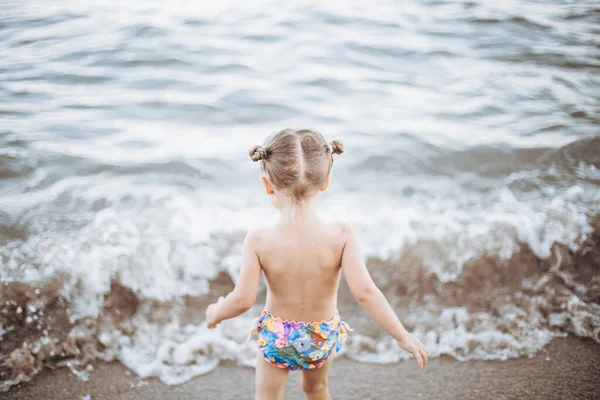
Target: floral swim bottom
pixel 298 345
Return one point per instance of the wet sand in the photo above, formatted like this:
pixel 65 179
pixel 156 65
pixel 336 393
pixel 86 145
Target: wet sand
pixel 568 369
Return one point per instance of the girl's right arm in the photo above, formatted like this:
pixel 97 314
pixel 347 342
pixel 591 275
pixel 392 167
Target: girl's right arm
pixel 368 295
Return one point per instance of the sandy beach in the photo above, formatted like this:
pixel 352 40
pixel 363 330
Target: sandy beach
pixel 568 369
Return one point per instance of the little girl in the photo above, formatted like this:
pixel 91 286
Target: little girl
pixel 302 257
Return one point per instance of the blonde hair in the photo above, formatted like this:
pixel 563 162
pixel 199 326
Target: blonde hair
pixel 296 161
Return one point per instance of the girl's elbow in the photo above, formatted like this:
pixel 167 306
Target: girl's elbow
pixel 244 304
pixel 365 293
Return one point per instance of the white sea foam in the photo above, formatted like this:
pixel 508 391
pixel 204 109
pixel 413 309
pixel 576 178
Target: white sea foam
pixel 164 244
pixel 175 354
pixel 176 243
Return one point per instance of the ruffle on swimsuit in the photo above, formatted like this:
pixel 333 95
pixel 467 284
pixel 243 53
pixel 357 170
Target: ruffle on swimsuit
pixel 298 345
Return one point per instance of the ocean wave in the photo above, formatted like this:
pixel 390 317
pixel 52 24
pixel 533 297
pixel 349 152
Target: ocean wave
pixel 121 268
pixel 496 310
pixel 129 286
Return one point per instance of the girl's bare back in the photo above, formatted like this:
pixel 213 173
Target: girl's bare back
pixel 301 263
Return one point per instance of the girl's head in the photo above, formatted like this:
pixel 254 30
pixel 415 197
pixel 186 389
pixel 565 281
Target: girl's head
pixel 296 164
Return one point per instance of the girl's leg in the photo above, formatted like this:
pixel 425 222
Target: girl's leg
pixel 315 381
pixel 270 380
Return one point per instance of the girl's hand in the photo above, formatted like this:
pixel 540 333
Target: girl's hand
pixel 211 314
pixel 414 346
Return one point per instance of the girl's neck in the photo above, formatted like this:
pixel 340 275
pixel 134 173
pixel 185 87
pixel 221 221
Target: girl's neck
pixel 305 212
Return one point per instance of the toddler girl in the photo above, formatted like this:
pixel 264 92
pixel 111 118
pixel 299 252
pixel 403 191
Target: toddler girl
pixel 302 257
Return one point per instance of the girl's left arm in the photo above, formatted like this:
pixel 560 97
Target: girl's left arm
pixel 244 294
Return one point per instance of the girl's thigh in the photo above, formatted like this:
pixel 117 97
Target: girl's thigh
pixel 270 380
pixel 318 376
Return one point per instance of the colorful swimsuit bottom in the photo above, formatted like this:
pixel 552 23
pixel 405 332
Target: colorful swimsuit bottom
pixel 298 345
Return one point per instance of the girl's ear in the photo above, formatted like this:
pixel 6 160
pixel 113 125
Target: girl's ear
pixel 326 184
pixel 268 187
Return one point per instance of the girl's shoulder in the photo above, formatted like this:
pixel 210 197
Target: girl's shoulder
pixel 254 238
pixel 258 236
pixel 341 227
pixel 341 230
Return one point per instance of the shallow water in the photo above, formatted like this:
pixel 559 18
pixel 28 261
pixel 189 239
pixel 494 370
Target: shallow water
pixel 471 172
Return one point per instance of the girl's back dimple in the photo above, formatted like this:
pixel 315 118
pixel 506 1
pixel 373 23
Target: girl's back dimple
pixel 301 264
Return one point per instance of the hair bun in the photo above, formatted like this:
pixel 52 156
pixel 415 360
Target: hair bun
pixel 257 153
pixel 337 147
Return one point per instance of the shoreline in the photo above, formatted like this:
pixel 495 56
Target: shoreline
pixel 569 368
